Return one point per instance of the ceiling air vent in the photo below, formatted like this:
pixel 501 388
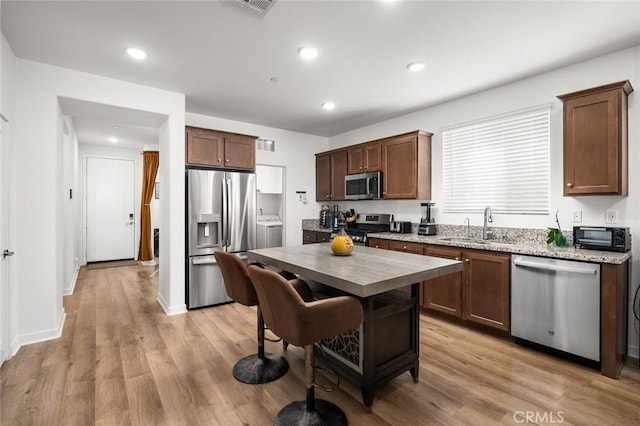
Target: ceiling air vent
pixel 257 7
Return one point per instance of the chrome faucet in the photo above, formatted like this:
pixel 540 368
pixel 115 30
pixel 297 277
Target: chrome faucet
pixel 487 218
pixel 468 223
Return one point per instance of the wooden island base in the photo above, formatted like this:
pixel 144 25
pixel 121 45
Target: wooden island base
pixel 386 345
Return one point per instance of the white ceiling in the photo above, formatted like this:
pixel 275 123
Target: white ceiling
pixel 223 58
pixel 95 123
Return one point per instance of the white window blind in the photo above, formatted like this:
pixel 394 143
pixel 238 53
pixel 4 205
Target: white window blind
pixel 502 162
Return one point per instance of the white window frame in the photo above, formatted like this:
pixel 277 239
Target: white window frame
pixel 502 162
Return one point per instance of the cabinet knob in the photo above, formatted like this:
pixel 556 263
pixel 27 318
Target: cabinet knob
pixel 569 184
pixel 360 168
pixel 327 196
pixel 219 159
pixel 466 260
pixel 457 258
pixel 404 248
pixel 227 160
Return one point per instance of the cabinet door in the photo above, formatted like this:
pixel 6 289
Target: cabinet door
pixel 373 156
pixel 400 167
pixel 323 177
pixel 355 160
pixel 596 140
pixel 239 152
pixel 378 243
pixel 444 293
pixel 486 297
pixel 338 172
pixel 205 148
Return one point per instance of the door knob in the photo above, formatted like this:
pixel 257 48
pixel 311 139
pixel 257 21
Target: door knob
pixel 7 253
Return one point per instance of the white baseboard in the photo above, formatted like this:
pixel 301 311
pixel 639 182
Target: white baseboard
pixel 173 310
pixel 40 336
pixel 72 285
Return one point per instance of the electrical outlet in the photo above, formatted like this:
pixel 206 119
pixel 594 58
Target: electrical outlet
pixel 611 216
pixel 577 216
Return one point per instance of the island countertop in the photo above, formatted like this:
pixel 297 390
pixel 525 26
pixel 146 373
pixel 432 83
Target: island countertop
pixel 366 272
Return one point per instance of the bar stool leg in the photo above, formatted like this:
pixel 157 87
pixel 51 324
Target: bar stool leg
pixel 262 367
pixel 311 411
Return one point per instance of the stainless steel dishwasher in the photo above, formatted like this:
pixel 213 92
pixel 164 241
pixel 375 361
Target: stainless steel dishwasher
pixel 556 303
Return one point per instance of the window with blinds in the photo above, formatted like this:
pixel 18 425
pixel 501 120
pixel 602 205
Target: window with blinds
pixel 501 162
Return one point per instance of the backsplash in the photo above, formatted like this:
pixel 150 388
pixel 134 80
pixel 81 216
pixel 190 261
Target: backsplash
pixel 521 235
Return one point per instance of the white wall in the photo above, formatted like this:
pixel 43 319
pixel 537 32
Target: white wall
pixel 70 206
pixel 294 151
pixel 8 202
pixel 39 225
pixel 623 65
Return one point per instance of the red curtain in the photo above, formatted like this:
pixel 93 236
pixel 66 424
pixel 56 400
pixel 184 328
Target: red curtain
pixel 150 164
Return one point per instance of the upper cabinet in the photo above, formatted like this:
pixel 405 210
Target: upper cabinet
pixel 331 168
pixel 269 179
pixel 406 166
pixel 364 158
pixel 595 140
pixel 220 149
pixel 405 162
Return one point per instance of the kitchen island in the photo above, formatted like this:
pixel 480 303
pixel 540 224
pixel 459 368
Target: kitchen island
pixel 388 339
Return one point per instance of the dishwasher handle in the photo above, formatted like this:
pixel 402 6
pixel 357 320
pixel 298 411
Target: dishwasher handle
pixel 587 270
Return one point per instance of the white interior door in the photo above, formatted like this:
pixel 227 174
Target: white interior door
pixel 4 242
pixel 110 209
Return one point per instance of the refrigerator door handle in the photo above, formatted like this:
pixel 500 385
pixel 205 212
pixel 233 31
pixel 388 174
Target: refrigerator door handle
pixel 206 261
pixel 225 212
pixel 227 222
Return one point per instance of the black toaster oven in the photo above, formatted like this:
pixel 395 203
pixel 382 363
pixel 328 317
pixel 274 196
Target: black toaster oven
pixel 602 238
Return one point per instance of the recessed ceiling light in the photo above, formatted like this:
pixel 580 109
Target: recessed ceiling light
pixel 113 140
pixel 328 106
pixel 136 53
pixel 308 52
pixel 415 66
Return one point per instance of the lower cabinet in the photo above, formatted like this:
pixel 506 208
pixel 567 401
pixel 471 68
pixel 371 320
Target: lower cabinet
pixel 444 293
pixel 480 294
pixel 310 237
pixel 486 292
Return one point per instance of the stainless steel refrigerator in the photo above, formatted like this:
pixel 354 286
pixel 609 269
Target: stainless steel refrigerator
pixel 221 215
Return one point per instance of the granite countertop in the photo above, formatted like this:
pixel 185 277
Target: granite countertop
pixel 516 241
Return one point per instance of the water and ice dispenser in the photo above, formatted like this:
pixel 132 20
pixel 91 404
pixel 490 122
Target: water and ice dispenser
pixel 208 230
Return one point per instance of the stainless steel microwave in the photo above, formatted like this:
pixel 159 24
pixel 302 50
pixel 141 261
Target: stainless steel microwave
pixel 602 238
pixel 363 186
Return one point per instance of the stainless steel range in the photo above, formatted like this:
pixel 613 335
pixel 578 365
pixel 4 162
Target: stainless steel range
pixel 366 223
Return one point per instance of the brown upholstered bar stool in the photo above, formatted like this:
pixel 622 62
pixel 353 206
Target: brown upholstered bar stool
pixel 302 324
pixel 262 367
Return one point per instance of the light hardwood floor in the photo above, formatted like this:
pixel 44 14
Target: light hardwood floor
pixel 121 360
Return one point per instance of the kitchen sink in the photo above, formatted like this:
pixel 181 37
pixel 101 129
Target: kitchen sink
pixel 476 241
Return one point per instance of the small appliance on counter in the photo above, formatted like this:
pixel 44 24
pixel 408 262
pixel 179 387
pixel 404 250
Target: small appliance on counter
pixel 602 238
pixel 427 222
pixel 400 227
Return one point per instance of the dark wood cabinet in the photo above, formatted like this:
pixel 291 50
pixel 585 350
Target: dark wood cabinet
pixel 212 148
pixel 595 140
pixel 364 158
pixel 444 293
pixel 405 162
pixel 331 168
pixel 311 237
pixel 486 293
pixel 406 166
pixel 378 243
pixel 415 248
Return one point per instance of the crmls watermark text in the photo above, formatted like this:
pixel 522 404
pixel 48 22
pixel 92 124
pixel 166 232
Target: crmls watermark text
pixel 544 417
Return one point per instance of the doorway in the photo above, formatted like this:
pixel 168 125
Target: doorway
pixel 110 209
pixel 270 205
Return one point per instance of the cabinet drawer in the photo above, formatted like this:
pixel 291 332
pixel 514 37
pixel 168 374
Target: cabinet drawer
pixel 378 243
pixel 309 237
pixel 406 247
